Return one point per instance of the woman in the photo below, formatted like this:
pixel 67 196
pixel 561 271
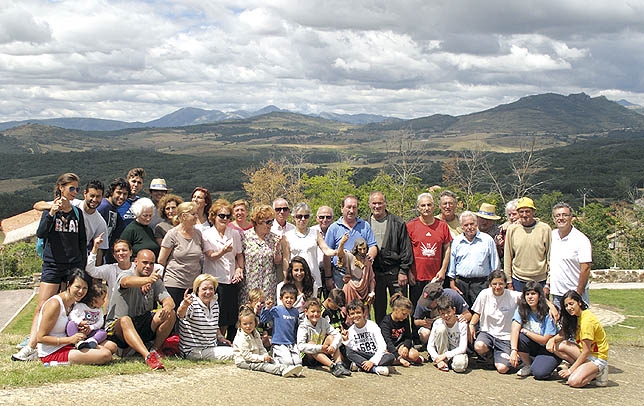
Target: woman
pixel 62 230
pixel 304 242
pixel 299 274
pixel 513 216
pixel 167 209
pixel 532 327
pixel 493 309
pixel 181 251
pixel 53 343
pixel 138 233
pixel 226 263
pixel 202 198
pixel 359 279
pixel 240 212
pixel 588 353
pixel 198 316
pixel 262 250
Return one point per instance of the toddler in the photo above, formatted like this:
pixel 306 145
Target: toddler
pixel 256 299
pixel 89 312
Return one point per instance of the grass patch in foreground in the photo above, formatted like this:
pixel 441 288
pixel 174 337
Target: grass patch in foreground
pixel 628 303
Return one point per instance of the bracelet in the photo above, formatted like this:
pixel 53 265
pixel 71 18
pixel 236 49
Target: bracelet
pixel 514 349
pixel 57 340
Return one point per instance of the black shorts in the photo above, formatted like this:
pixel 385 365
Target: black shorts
pixel 142 325
pixel 228 303
pixel 57 273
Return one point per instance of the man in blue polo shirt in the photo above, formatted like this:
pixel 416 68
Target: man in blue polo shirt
pixel 350 224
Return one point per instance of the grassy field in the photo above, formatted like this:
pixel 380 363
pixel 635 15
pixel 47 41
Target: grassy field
pixel 19 374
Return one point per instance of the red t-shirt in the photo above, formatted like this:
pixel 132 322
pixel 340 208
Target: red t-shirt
pixel 427 244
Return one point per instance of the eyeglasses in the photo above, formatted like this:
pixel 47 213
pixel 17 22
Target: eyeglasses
pixel 325 217
pixel 224 216
pixel 282 209
pixel 302 216
pixel 73 189
pixel 561 215
pixel 269 222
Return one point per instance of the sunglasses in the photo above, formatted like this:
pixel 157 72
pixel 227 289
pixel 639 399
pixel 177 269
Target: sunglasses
pixel 269 222
pixel 224 216
pixel 73 189
pixel 325 217
pixel 282 209
pixel 302 216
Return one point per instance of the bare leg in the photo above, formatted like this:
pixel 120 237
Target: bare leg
pixel 163 328
pixel 124 329
pixel 45 291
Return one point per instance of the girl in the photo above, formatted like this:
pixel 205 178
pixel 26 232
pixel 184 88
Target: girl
pixel 589 355
pixel 532 327
pixel 359 280
pixel 249 352
pixel 299 274
pixel 89 312
pixel 396 330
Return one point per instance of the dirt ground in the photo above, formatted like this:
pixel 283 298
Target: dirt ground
pixel 226 384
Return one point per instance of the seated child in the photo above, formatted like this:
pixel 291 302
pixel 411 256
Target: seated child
pixel 332 309
pixel 396 330
pixel 89 312
pixel 256 298
pixel 448 339
pixel 249 352
pixel 319 341
pixel 285 318
pixel 365 347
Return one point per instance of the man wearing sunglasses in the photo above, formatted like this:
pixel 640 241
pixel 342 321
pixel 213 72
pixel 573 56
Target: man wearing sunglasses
pixel 281 226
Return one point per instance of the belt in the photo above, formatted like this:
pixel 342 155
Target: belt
pixel 472 280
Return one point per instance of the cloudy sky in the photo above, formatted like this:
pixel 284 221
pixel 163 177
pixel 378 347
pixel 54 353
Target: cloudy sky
pixel 138 60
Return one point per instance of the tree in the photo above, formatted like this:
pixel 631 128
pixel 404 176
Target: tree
pixel 329 189
pixel 270 182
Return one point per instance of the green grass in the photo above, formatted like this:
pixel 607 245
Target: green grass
pixel 629 304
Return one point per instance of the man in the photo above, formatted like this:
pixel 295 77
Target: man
pixel 132 320
pixel 473 257
pixel 430 241
pixel 425 312
pixel 158 188
pixel 135 178
pixel 391 265
pixel 116 195
pixel 323 218
pixel 280 227
pixel 486 220
pixel 570 256
pixel 448 212
pixel 355 227
pixel 527 248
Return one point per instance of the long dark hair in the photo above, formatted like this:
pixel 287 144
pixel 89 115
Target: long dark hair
pixel 307 282
pixel 569 321
pixel 542 306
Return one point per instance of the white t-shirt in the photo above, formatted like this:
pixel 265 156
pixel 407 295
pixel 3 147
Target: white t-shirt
pixel 307 248
pixel 222 268
pixel 496 312
pixel 566 256
pixel 94 225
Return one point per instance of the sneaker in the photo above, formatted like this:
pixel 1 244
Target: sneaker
pixel 345 371
pixel 563 366
pixel 159 355
pixel 152 360
pixel 525 371
pixel 336 370
pixel 292 370
pixel 25 354
pixel 382 371
pixel 23 343
pixel 354 367
pixel 602 378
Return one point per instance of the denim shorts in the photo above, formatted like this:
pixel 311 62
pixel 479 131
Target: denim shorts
pixel 600 363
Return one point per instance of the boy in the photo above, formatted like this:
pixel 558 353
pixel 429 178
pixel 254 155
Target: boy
pixel 285 318
pixel 319 341
pixel 331 309
pixel 365 346
pixel 448 339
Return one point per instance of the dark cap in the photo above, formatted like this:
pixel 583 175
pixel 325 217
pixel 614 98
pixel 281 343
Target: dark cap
pixel 431 292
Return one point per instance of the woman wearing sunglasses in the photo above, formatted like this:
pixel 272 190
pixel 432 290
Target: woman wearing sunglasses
pixel 63 230
pixel 226 261
pixel 304 242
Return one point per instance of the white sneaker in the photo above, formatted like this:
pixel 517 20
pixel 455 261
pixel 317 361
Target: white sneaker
pixel 354 367
pixel 383 371
pixel 525 371
pixel 602 378
pixel 25 354
pixel 292 370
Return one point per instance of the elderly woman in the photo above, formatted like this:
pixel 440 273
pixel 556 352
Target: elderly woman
pixel 262 250
pixel 513 216
pixel 202 198
pixel 167 210
pixel 240 213
pixel 138 233
pixel 198 316
pixel 304 242
pixel 226 262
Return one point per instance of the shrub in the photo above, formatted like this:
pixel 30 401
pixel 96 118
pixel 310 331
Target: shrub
pixel 19 259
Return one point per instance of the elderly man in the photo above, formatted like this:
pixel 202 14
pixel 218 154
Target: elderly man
pixel 527 248
pixel 448 212
pixel 395 256
pixel 280 227
pixel 473 257
pixel 570 256
pixel 132 319
pixel 158 188
pixel 352 225
pixel 430 241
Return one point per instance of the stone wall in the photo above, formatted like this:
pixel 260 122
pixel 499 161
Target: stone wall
pixel 616 275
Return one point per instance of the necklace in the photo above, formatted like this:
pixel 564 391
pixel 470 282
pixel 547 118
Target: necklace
pixel 300 235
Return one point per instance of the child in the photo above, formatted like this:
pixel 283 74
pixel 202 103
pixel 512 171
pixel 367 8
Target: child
pixel 396 330
pixel 532 327
pixel 364 344
pixel 249 352
pixel 332 309
pixel 448 339
pixel 319 341
pixel 589 355
pixel 285 318
pixel 89 312
pixel 256 299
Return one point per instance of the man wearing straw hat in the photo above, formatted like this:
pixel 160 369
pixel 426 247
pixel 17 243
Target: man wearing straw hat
pixel 158 188
pixel 486 218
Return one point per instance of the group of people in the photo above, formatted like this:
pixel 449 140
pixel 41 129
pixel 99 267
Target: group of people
pixel 245 284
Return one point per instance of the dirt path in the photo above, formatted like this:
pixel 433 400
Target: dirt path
pixel 225 384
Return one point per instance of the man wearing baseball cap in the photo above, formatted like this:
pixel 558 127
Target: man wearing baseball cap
pixel 527 248
pixel 426 312
pixel 158 188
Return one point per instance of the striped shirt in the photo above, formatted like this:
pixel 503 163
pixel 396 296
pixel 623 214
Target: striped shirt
pixel 198 329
